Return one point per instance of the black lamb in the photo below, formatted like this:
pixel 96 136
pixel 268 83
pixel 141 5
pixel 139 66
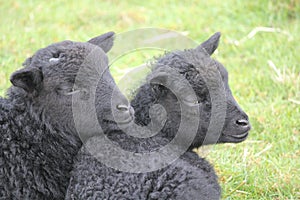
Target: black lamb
pixel 189 176
pixel 38 137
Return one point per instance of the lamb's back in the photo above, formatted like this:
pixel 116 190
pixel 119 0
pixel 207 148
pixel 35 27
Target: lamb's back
pixel 189 177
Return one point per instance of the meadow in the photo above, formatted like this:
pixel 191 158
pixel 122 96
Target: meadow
pixel 259 47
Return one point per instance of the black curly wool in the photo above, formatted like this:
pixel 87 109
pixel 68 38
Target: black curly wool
pixel 189 177
pixel 35 157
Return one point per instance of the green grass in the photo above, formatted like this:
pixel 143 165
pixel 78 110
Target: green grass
pixel 267 165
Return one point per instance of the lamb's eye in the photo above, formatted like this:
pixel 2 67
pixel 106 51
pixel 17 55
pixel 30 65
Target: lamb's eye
pixel 72 91
pixel 156 88
pixel 191 102
pixel 196 102
pixel 67 90
pixel 55 57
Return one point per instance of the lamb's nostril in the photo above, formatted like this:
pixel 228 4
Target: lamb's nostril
pixel 242 122
pixel 131 110
pixel 123 108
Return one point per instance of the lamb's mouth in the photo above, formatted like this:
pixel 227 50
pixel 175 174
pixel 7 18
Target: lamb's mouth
pixel 129 120
pixel 239 137
pixel 124 122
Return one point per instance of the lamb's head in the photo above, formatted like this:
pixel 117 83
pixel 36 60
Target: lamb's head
pixel 54 75
pixel 196 66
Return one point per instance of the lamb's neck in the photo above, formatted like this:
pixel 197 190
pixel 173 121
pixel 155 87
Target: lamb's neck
pixel 46 146
pixel 23 113
pixel 134 144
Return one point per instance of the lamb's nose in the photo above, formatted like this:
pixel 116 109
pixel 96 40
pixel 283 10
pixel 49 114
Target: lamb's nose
pixel 122 107
pixel 242 122
pixel 126 108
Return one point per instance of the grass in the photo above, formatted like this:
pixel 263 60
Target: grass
pixel 263 67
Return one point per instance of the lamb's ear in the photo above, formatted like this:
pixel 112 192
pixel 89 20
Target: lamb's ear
pixel 104 41
pixel 29 79
pixel 158 81
pixel 211 44
pixel 27 62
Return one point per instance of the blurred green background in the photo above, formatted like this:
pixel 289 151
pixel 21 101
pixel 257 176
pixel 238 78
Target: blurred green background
pixel 259 47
